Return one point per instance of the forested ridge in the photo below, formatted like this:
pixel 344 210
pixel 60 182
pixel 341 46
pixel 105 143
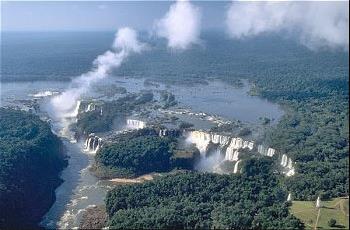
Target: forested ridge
pixel 315 129
pixel 250 200
pixel 30 161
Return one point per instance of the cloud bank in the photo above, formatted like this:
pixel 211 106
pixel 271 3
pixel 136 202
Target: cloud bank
pixel 181 25
pixel 125 43
pixel 316 24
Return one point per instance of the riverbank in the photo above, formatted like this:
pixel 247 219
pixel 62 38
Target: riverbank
pixel 94 218
pixel 140 179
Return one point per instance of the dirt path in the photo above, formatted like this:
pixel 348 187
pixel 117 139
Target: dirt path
pixel 341 205
pixel 318 216
pixel 342 209
pixel 140 179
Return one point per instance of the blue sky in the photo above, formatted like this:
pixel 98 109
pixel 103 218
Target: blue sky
pixel 82 16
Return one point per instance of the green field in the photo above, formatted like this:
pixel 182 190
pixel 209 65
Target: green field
pixel 337 209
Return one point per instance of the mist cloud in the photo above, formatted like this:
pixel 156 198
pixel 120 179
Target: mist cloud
pixel 181 25
pixel 316 24
pixel 125 43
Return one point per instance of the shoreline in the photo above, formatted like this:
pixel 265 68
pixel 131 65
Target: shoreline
pixel 140 179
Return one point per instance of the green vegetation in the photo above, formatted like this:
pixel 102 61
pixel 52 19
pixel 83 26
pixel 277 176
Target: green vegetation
pixel 252 199
pixel 139 152
pixel 113 113
pixel 332 222
pixel 30 162
pixel 167 98
pixel 315 130
pixel 315 134
pixel 335 209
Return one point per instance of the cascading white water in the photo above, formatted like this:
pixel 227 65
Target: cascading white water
pixel 318 202
pixel 219 139
pixel 284 160
pixel 232 145
pixel 287 163
pixel 290 164
pixel 135 124
pixel 289 198
pixel 232 156
pixel 90 107
pixel 235 170
pixel 200 139
pixel 163 132
pixel 270 152
pixel 266 151
pixel 93 143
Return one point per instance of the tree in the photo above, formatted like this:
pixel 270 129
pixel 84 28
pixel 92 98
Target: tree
pixel 332 222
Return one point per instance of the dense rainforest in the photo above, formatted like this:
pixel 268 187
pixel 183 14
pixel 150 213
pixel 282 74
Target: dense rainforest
pixel 142 151
pixel 30 162
pixel 315 129
pixel 250 200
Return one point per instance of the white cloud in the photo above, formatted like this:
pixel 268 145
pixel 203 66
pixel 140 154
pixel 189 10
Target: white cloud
pixel 181 25
pixel 316 24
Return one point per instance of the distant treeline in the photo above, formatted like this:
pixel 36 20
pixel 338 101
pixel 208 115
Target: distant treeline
pixel 30 162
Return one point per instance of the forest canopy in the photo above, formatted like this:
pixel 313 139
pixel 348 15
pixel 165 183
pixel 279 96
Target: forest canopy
pixel 30 161
pixel 251 200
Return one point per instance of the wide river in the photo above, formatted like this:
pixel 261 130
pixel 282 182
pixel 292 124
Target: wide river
pixel 80 188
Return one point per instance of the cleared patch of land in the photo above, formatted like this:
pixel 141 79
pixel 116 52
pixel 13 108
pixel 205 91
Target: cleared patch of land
pixel 337 209
pixel 140 179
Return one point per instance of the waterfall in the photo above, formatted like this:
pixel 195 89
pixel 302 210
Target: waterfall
pixel 93 143
pixel 270 152
pixel 232 156
pixel 289 198
pixel 135 124
pixel 75 112
pixel 235 170
pixel 231 146
pixel 266 151
pixel 262 150
pixel 163 132
pixel 229 153
pixel 200 139
pixel 88 143
pixel 318 202
pixel 290 164
pixel 219 139
pixel 284 160
pixel 287 163
pixel 250 145
pixel 101 111
pixel 290 172
pixel 90 107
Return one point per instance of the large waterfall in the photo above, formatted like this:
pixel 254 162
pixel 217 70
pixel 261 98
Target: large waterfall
pixel 235 170
pixel 231 147
pixel 90 107
pixel 202 139
pixel 93 143
pixel 135 124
